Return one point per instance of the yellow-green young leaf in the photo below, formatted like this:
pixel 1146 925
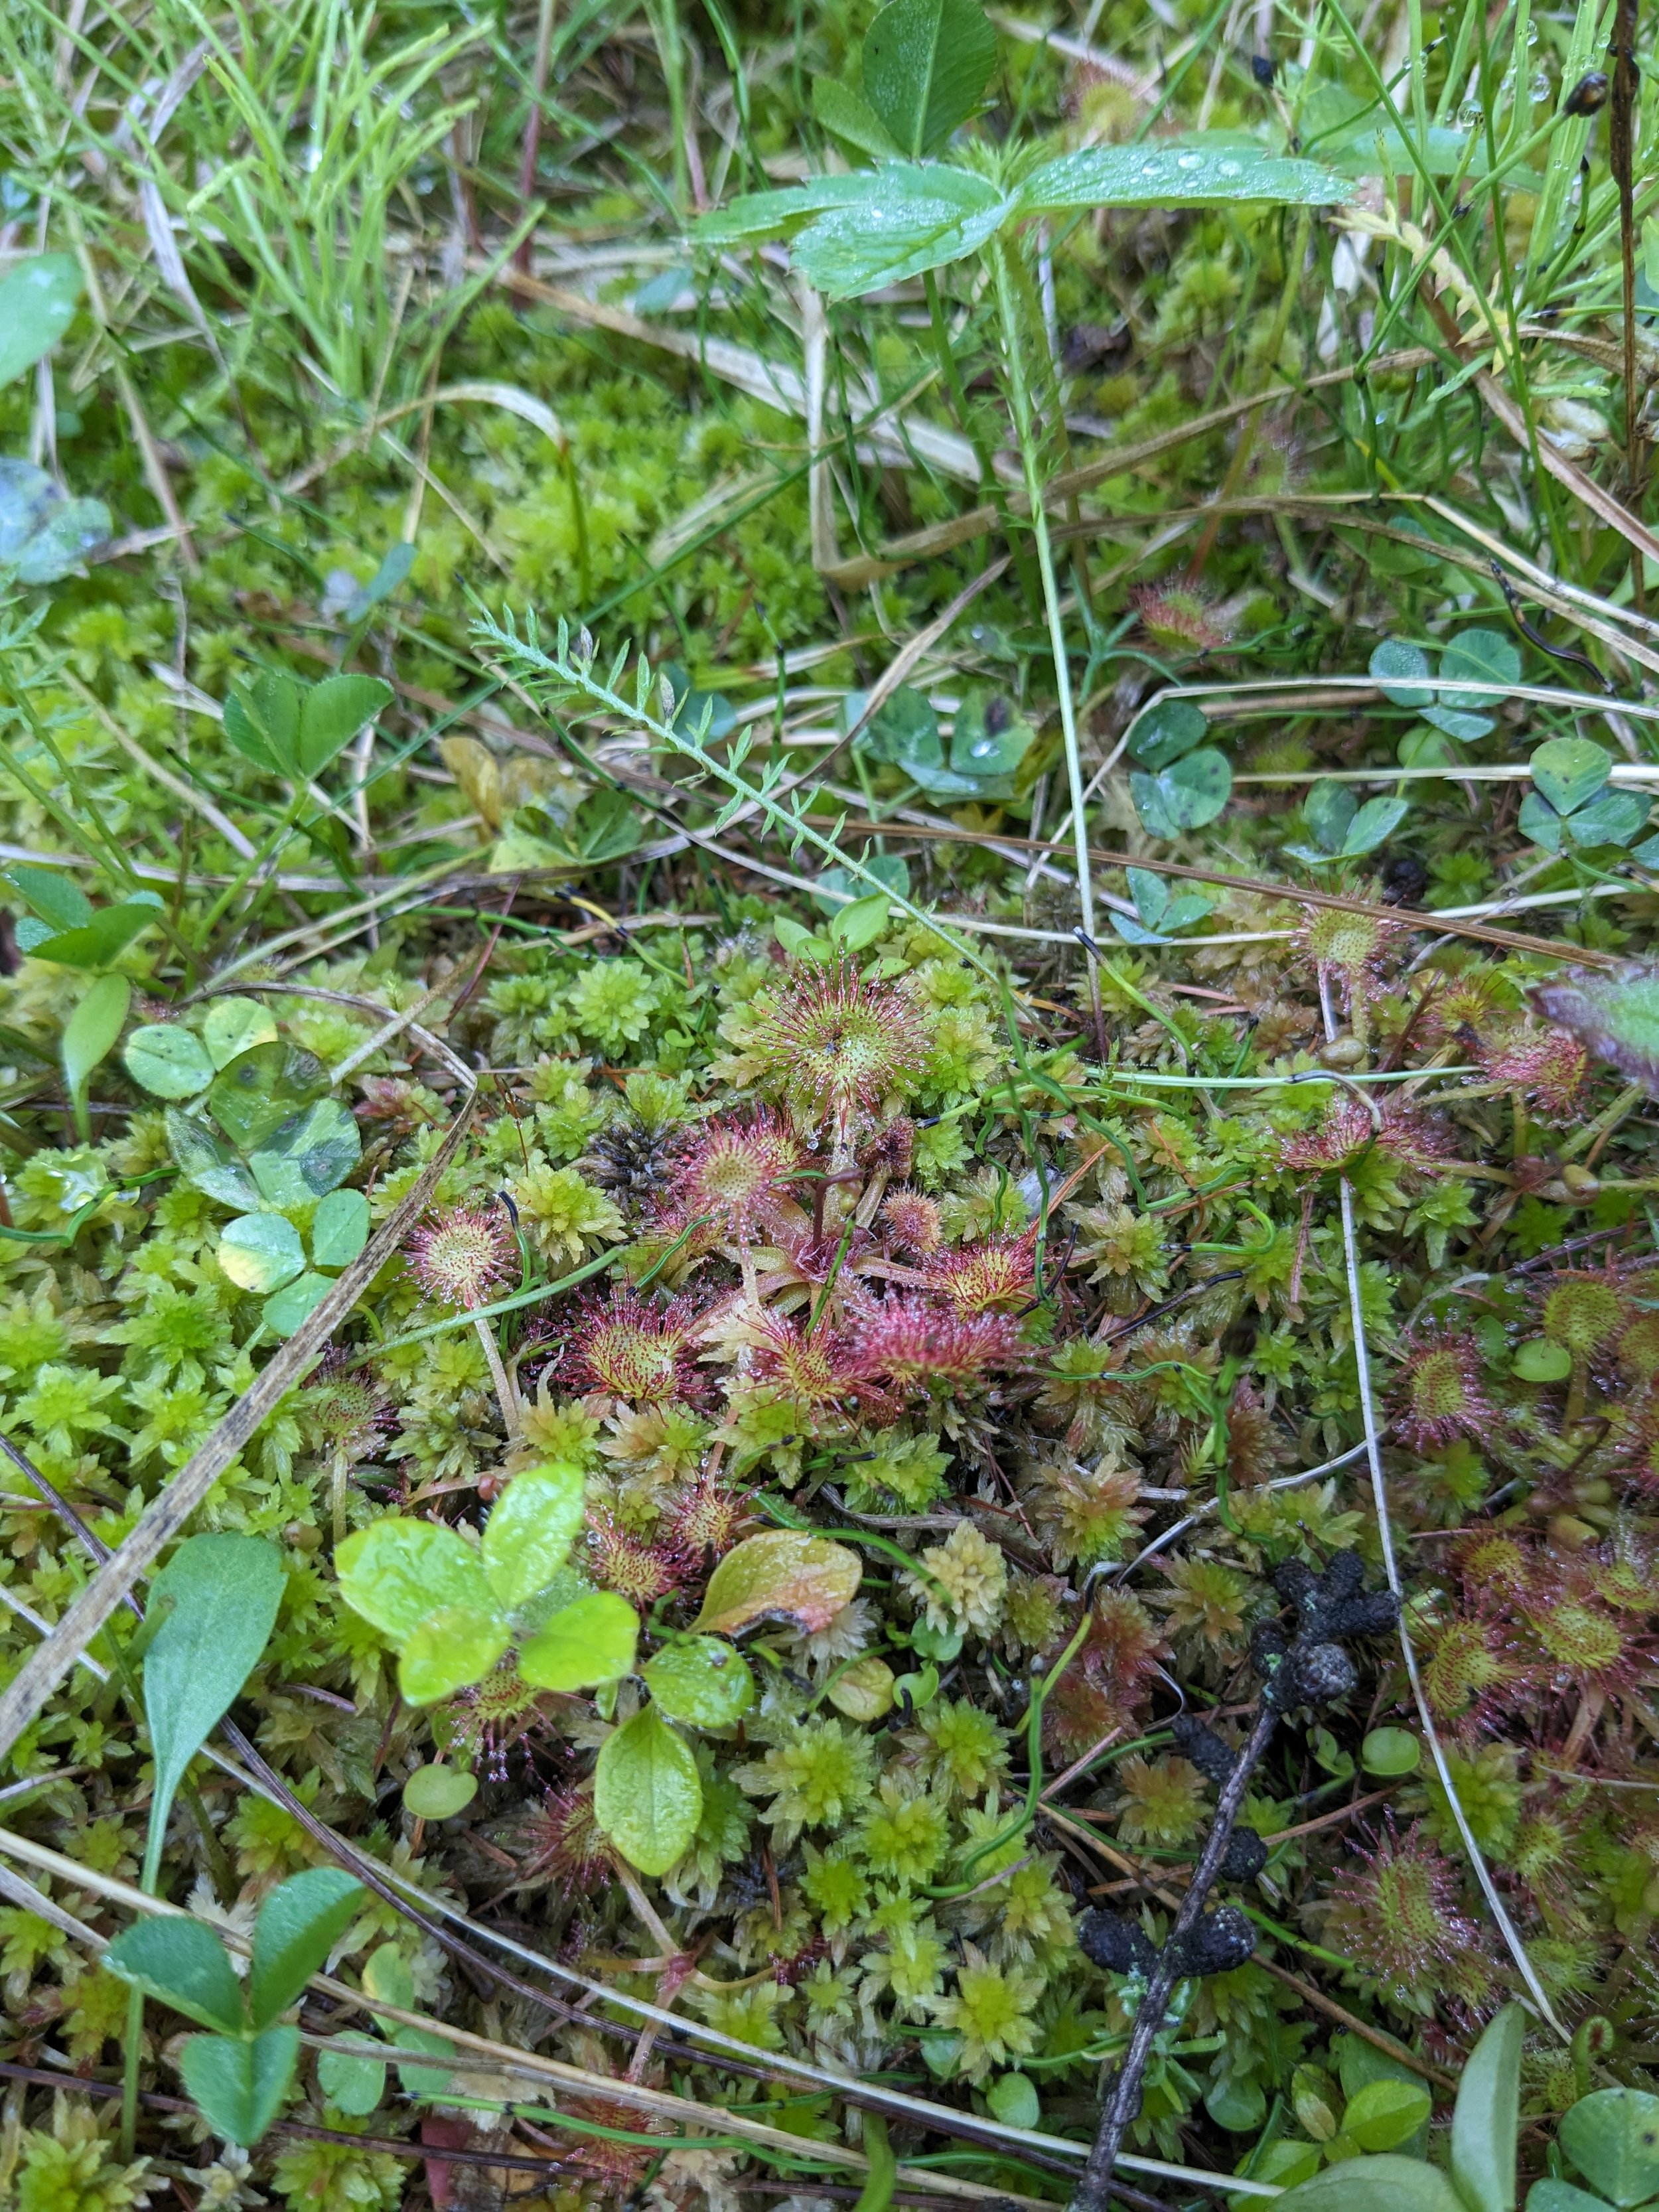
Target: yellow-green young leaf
pixel 865 1691
pixel 701 1679
pixel 1385 2114
pixel 862 922
pixel 531 1531
pixel 453 1647
pixel 89 1035
pixel 261 1252
pixel 439 1793
pixel 587 1642
pixel 1388 2184
pixel 1485 2119
pixel 784 1573
pixel 646 1796
pixel 398 1572
pixel 168 1060
pixel 1612 2138
pixel 231 1027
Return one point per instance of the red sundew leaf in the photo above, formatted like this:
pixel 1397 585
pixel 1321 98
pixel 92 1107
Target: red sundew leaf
pixel 806 1578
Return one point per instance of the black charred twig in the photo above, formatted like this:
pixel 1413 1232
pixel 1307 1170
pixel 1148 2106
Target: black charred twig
pixel 1311 1669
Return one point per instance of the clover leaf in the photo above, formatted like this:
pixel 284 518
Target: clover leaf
pixel 453 1610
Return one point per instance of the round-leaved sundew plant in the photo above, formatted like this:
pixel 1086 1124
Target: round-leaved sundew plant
pixel 820 1177
pixel 835 1048
pixel 630 1350
pixel 1438 1393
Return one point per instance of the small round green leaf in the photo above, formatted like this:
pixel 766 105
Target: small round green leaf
pixel 1612 2138
pixel 398 1572
pixel 261 1252
pixel 702 1681
pixel 1569 771
pixel 531 1531
pixel 292 1307
pixel 1389 2182
pixel 308 1155
pixel 38 299
pixel 332 713
pixel 861 923
pixel 1187 795
pixel 590 1641
pixel 1549 2196
pixel 453 1647
pixel 1013 2100
pixel 1392 663
pixel 439 1793
pixel 255 1093
pixel 1168 728
pixel 1538 1360
pixel 167 1060
pixel 1478 652
pixel 232 1026
pixel 1327 810
pixel 1390 1751
pixel 1239 2105
pixel 351 2084
pixel 339 1228
pixel 1376 819
pixel 1383 2115
pixel 646 1795
pixel 1617 817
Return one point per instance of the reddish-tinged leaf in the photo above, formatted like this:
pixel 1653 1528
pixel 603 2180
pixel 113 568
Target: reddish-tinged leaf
pixel 806 1578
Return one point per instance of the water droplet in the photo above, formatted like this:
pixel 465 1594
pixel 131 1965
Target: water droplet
pixel 1191 161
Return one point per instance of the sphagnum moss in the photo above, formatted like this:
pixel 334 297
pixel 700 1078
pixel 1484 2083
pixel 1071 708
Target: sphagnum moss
pixel 874 1247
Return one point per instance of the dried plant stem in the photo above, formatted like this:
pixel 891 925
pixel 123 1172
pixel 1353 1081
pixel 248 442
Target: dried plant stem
pixel 506 1396
pixel 1025 430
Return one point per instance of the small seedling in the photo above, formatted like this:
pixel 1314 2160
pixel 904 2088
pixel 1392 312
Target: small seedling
pixel 1161 916
pixel 1342 828
pixel 240 2072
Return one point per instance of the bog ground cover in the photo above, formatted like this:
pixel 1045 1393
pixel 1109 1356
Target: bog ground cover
pixel 830 1341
